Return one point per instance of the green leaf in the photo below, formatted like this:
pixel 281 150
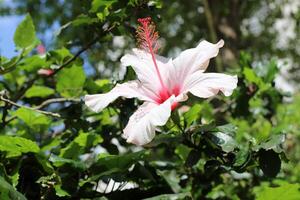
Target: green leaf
pixel 182 151
pixel 88 139
pixel 24 36
pixel 104 84
pixel 33 63
pixel 178 196
pixel 101 5
pixel 164 138
pixel 242 158
pixel 225 141
pixel 228 129
pixel 15 146
pixel 101 8
pixel 32 118
pixel 269 162
pixel 118 162
pixel 217 192
pixel 285 191
pixel 70 81
pixel 39 91
pixel 81 142
pixel 275 143
pixel 60 192
pixel 44 162
pixel 176 118
pixel 58 162
pixel 59 56
pixel 272 71
pixel 251 77
pixel 192 115
pixel 7 191
pixel 172 179
pixel 84 20
pixel 10 65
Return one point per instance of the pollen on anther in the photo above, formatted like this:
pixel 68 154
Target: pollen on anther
pixel 144 21
pixel 147 36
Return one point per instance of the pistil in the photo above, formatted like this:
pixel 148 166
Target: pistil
pixel 147 39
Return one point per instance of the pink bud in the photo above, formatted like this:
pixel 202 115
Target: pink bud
pixel 41 49
pixel 45 72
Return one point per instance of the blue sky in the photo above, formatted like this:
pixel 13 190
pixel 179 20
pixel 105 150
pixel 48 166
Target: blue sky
pixel 8 25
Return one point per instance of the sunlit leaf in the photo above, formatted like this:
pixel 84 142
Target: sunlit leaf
pixel 25 34
pixel 193 114
pixel 15 146
pixel 33 63
pixel 60 192
pixel 81 142
pixel 70 81
pixel 8 192
pixel 58 162
pixel 275 143
pixel 225 141
pixel 285 191
pixel 182 151
pixel 32 118
pixel 39 91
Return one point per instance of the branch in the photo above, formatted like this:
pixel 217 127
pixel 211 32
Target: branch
pixel 30 108
pixel 18 95
pixel 57 100
pixel 75 56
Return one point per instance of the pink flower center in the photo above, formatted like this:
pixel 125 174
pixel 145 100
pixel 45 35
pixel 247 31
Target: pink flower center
pixel 165 94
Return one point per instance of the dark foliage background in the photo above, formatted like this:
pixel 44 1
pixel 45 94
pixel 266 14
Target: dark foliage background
pixel 242 147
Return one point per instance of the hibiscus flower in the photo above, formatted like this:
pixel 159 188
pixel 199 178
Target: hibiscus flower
pixel 162 83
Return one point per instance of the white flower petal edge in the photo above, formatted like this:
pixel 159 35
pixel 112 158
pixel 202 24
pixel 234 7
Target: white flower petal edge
pixel 142 124
pixel 194 59
pixel 206 85
pixel 131 89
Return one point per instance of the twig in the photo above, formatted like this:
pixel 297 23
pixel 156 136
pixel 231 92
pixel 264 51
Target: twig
pixel 10 119
pixel 76 55
pixel 30 108
pixel 57 100
pixel 16 97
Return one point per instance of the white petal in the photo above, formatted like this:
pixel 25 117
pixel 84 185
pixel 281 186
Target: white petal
pixel 131 89
pixel 143 65
pixel 141 126
pixel 195 59
pixel 209 84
